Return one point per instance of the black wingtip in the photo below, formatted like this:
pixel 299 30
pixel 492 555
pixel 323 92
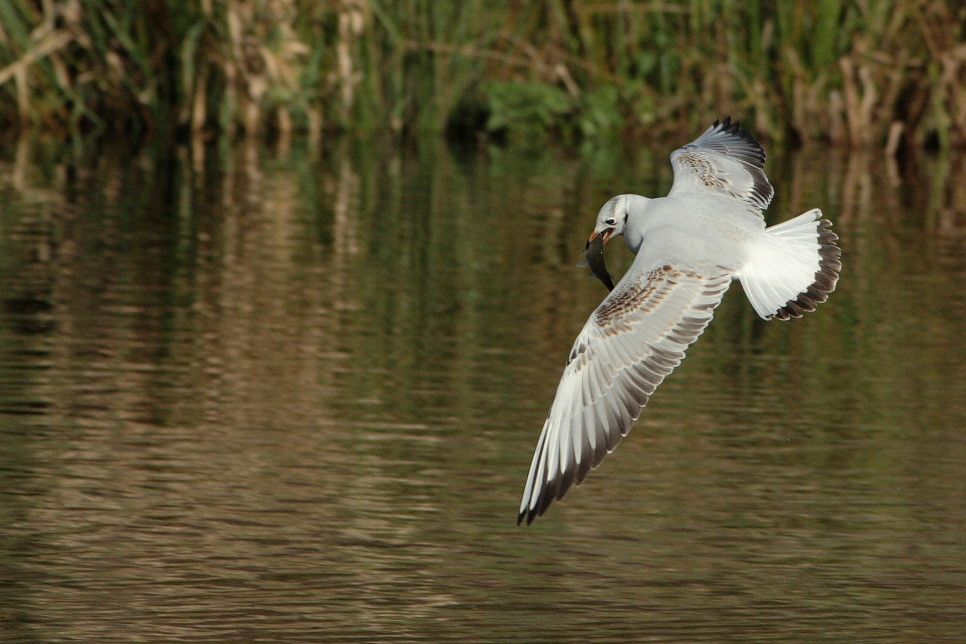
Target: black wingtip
pixel 530 514
pixel 734 127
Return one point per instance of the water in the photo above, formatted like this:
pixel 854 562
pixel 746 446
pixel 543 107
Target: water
pixel 276 394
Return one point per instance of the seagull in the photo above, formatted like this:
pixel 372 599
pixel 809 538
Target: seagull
pixel 690 245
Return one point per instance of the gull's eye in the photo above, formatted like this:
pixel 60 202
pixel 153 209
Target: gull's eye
pixel 610 221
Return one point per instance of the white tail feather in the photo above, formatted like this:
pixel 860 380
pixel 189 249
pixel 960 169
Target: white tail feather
pixel 794 266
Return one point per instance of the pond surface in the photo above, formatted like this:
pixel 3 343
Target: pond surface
pixel 283 394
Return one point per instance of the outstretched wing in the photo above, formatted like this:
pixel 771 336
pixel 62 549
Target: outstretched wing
pixel 725 160
pixel 634 339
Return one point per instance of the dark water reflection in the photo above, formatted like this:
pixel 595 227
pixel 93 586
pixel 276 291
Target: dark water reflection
pixel 281 396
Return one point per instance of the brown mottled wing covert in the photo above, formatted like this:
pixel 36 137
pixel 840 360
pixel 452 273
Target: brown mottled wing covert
pixel 726 160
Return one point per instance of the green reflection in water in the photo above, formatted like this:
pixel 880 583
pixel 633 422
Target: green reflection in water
pixel 294 394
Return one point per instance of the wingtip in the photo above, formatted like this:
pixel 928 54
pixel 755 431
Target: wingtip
pixel 728 126
pixel 531 510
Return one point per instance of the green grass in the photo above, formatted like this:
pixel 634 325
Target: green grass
pixel 845 71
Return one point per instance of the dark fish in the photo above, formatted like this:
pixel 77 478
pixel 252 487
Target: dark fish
pixel 595 259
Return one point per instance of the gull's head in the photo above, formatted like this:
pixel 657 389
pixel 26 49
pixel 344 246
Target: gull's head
pixel 612 218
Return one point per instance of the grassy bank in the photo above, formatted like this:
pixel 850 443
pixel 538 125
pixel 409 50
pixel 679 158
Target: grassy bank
pixel 861 72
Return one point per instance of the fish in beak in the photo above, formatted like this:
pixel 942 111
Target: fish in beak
pixel 595 256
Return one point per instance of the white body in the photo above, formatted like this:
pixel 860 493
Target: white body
pixel 773 264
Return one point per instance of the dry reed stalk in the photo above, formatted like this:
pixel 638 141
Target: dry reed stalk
pixel 352 24
pixel 859 102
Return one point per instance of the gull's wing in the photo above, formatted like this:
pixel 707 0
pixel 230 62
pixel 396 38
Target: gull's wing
pixel 724 160
pixel 634 339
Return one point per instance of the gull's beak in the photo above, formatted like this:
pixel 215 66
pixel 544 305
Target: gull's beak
pixel 604 235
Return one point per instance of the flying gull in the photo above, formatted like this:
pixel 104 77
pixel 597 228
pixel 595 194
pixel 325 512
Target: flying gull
pixel 690 245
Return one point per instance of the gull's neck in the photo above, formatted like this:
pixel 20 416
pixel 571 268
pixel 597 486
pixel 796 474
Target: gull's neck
pixel 634 227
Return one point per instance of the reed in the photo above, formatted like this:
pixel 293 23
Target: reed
pixel 857 72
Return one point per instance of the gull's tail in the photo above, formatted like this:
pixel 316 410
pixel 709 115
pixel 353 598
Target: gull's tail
pixel 793 268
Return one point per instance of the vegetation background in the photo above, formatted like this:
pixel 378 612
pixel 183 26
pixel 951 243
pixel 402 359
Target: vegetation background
pixel 859 72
